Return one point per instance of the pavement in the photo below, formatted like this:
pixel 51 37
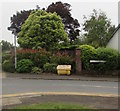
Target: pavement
pixel 96 92
pixel 92 102
pixel 51 76
pixel 18 86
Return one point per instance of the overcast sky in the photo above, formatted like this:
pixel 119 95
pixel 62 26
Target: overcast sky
pixel 79 8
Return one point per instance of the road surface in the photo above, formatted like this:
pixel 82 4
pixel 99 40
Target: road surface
pixel 15 86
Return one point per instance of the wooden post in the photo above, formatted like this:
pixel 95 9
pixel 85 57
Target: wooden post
pixel 78 61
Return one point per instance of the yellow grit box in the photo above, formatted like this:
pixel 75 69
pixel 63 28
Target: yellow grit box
pixel 63 69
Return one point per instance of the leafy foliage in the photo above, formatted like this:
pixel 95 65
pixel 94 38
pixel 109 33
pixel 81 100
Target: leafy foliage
pixel 111 57
pixel 38 57
pixel 88 53
pixel 24 65
pixel 5 57
pixel 8 66
pixel 6 46
pixel 50 67
pixel 42 29
pixel 71 24
pixel 119 62
pixel 36 70
pixel 61 60
pixel 41 58
pixel 98 29
pixel 18 19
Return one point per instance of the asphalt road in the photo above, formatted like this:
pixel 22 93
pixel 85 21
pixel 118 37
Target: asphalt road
pixel 14 86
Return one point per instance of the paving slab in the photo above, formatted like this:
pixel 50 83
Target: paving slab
pixel 11 101
pixel 51 76
pixel 90 101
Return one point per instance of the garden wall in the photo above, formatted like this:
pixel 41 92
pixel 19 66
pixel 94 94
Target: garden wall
pixel 76 54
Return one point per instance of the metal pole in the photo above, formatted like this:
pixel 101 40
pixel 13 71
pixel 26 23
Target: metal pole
pixel 15 52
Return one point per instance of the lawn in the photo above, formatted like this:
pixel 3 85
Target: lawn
pixel 49 106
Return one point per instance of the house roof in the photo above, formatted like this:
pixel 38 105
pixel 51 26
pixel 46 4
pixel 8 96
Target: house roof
pixel 115 30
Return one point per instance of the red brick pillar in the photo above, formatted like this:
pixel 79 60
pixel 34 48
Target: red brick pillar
pixel 78 61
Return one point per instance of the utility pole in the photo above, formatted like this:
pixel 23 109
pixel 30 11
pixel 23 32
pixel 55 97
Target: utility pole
pixel 15 34
pixel 15 50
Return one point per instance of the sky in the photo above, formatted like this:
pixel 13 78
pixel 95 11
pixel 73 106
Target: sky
pixel 79 8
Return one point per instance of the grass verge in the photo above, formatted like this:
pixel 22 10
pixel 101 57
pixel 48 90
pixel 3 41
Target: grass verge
pixel 52 106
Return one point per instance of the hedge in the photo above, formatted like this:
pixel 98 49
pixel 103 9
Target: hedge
pixel 39 58
pixel 5 57
pixel 24 65
pixel 111 56
pixel 88 53
pixel 46 60
pixel 36 70
pixel 8 66
pixel 50 67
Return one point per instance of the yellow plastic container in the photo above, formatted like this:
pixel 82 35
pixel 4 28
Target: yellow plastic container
pixel 63 69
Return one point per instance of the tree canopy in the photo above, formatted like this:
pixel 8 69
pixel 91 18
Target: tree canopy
pixel 44 30
pixel 98 29
pixel 6 46
pixel 71 25
pixel 62 9
pixel 18 19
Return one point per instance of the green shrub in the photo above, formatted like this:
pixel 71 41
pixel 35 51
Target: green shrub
pixel 26 55
pixel 50 67
pixel 5 57
pixel 61 60
pixel 88 53
pixel 111 57
pixel 24 65
pixel 119 62
pixel 70 47
pixel 8 66
pixel 39 58
pixel 36 70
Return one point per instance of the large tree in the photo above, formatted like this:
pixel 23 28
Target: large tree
pixel 18 19
pixel 6 46
pixel 42 29
pixel 71 24
pixel 98 29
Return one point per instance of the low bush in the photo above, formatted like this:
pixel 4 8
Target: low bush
pixel 88 53
pixel 25 55
pixel 41 58
pixel 36 70
pixel 8 66
pixel 111 57
pixel 50 67
pixel 119 62
pixel 38 57
pixel 70 47
pixel 5 57
pixel 24 66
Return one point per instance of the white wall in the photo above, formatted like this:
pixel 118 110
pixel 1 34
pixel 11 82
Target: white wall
pixel 113 43
pixel 119 23
pixel 119 40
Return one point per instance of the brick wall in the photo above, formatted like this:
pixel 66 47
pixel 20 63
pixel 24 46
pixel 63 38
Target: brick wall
pixel 76 53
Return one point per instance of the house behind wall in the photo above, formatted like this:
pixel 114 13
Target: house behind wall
pixel 114 41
